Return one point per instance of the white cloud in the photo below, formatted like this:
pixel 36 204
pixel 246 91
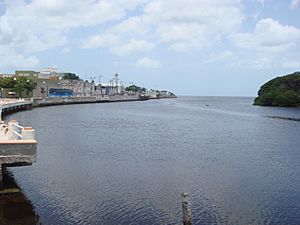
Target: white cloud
pixel 133 25
pixel 295 4
pixel 222 56
pixel 50 20
pixel 38 25
pixel 66 50
pixel 11 59
pixel 182 25
pixel 104 40
pixel 146 62
pixel 262 2
pixel 133 46
pixel 189 24
pixel 269 36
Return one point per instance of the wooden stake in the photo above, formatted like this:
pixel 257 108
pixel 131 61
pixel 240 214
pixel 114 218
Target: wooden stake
pixel 186 207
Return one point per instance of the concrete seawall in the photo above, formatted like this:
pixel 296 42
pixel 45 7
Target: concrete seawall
pixel 18 146
pixel 12 106
pixel 83 100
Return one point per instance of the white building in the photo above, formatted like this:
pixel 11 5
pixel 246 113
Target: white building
pixel 113 87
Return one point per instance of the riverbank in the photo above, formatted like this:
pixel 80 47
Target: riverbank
pixel 9 106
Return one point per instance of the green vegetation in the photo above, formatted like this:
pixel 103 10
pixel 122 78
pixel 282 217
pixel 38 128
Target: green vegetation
pixel 7 82
pixel 134 88
pixel 281 91
pixel 70 76
pixel 17 84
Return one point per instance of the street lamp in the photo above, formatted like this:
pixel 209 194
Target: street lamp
pixel 15 93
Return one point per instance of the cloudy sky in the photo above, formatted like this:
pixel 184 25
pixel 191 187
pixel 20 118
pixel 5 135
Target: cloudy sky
pixel 192 47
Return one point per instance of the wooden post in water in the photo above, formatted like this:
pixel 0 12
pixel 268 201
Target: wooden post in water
pixel 186 207
pixel 1 174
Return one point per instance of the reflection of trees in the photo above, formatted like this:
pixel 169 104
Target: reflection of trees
pixel 15 208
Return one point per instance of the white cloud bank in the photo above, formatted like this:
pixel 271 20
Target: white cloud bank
pixel 182 25
pixel 34 26
pixel 126 27
pixel 146 62
pixel 269 36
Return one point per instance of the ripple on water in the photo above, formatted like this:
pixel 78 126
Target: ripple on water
pixel 128 163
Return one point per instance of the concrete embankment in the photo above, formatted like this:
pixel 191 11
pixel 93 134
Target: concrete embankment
pixel 17 144
pixel 11 106
pixel 65 101
pixel 84 100
pixel 127 98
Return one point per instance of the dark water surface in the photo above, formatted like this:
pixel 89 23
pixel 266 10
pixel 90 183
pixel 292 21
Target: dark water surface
pixel 127 163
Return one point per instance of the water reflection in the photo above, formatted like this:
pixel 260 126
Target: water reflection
pixel 15 208
pixel 128 163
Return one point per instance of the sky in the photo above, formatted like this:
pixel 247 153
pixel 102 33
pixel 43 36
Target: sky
pixel 190 47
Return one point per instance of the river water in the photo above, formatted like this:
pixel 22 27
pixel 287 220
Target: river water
pixel 128 163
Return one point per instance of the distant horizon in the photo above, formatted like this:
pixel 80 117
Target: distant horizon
pixel 208 96
pixel 207 48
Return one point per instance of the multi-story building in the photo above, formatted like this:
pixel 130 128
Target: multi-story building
pixel 79 87
pixel 48 79
pixel 113 87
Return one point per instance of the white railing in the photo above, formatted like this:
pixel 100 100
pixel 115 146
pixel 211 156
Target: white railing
pixel 17 132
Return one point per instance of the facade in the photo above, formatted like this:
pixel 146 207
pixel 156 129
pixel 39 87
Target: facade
pixel 6 75
pixel 49 83
pixel 79 88
pixel 113 87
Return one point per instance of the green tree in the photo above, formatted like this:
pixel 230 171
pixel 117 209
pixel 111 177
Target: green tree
pixel 135 88
pixel 7 82
pixel 23 84
pixel 70 76
pixel 280 91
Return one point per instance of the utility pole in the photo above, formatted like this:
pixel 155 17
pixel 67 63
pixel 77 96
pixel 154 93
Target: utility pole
pixel 100 86
pixel 100 79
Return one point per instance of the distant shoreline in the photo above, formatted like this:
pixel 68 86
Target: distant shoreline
pixel 45 102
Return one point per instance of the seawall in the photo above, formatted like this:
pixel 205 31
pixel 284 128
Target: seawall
pixel 83 100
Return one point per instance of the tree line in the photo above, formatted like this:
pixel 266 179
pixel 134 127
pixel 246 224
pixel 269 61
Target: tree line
pixel 17 84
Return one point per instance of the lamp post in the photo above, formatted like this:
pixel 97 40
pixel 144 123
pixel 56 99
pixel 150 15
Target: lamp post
pixel 27 82
pixel 15 79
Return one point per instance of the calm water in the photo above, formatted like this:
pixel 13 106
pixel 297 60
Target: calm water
pixel 127 163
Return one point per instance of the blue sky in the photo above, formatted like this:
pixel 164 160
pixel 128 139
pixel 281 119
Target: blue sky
pixel 191 47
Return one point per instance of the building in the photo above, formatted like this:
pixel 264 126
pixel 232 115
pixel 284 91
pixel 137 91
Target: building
pixel 79 87
pixel 113 87
pixel 49 83
pixel 42 83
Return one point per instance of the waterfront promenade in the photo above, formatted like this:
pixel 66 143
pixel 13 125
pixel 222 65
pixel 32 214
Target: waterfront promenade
pixel 18 146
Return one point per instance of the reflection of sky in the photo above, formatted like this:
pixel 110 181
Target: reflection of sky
pixel 129 162
pixel 241 107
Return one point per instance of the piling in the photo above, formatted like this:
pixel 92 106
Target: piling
pixel 1 175
pixel 186 207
